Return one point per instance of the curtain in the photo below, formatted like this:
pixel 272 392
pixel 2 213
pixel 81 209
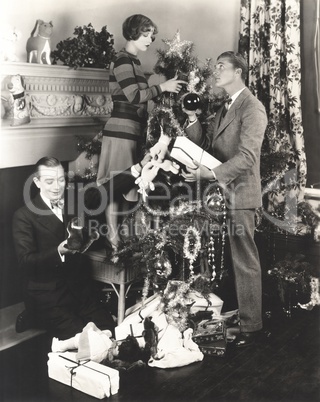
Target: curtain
pixel 270 40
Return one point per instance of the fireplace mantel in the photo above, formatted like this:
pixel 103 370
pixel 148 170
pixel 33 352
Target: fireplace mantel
pixel 64 103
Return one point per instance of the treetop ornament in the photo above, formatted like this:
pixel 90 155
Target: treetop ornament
pixel 176 46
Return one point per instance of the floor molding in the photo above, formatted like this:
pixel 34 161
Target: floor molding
pixel 8 335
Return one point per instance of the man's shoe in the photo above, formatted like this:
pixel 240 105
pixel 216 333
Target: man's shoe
pixel 245 339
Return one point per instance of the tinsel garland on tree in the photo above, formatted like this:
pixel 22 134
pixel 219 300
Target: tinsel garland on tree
pixel 90 148
pixel 162 119
pixel 88 176
pixel 184 241
pixel 174 303
pixel 178 60
pixel 176 300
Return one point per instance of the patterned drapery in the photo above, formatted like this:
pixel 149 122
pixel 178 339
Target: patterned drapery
pixel 270 39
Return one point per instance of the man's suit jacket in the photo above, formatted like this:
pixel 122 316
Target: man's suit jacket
pixel 37 232
pixel 237 144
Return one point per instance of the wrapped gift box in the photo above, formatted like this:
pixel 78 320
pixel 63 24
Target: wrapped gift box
pixel 86 376
pixel 185 151
pixel 209 331
pixel 211 303
pixel 142 310
pixel 216 348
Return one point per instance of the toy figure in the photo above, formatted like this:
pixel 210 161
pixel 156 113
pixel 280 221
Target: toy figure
pixel 39 45
pixel 21 114
pixel 9 36
pixel 92 343
pixel 79 240
pixel 126 355
pixel 150 335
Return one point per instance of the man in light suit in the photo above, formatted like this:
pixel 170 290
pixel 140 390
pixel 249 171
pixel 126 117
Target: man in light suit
pixel 236 140
pixel 58 287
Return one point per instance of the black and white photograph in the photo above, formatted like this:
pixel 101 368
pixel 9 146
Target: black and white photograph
pixel 160 201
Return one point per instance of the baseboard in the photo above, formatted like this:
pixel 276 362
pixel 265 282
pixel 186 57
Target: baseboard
pixel 8 335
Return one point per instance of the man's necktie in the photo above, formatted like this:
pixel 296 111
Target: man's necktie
pixel 225 109
pixel 58 203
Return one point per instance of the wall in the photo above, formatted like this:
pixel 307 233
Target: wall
pixel 212 25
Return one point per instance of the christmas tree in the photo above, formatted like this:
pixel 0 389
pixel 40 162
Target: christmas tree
pixel 177 235
pixel 180 237
pixel 178 60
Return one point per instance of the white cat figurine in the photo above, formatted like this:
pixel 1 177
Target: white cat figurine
pixel 39 45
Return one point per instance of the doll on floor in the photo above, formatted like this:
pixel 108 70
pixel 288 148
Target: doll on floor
pixel 98 346
pixel 92 343
pixel 126 355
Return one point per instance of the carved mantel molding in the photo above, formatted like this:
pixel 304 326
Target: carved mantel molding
pixel 63 102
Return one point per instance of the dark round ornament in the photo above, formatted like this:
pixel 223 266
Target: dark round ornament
pixel 191 101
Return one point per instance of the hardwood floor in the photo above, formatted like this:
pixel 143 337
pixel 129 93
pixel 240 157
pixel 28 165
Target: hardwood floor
pixel 282 366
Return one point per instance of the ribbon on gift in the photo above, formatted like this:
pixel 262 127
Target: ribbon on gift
pixel 209 304
pixel 78 364
pixel 131 334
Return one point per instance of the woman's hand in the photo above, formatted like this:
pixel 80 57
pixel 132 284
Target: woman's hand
pixel 147 158
pixel 167 166
pixel 172 85
pixel 160 149
pixel 149 172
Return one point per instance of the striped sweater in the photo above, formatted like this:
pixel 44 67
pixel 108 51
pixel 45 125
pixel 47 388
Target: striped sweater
pixel 130 92
pixel 128 82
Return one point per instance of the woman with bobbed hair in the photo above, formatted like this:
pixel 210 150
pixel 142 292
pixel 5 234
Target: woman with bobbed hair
pixel 123 134
pixel 137 24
